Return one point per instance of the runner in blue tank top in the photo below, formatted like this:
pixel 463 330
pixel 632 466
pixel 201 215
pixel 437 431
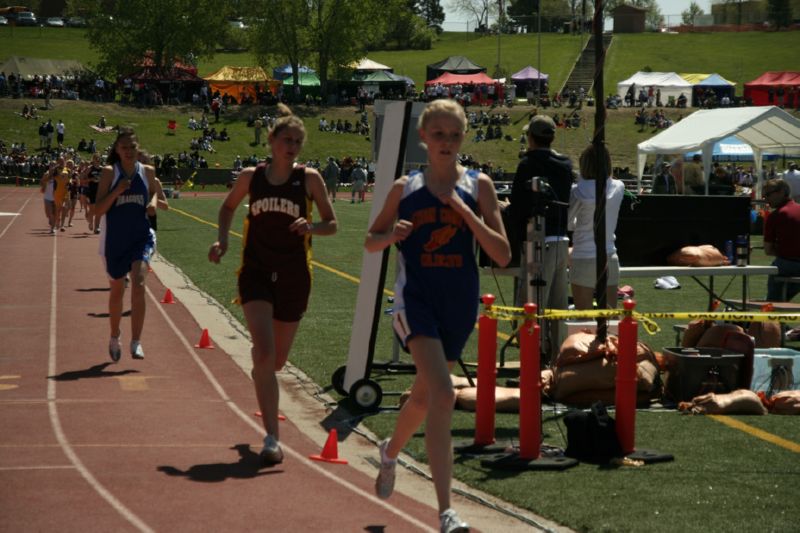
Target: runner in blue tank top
pixel 434 218
pixel 125 191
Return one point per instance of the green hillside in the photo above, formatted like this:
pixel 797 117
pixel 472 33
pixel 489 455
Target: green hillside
pixel 739 57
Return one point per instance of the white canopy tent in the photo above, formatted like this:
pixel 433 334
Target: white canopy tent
pixel 671 85
pixel 763 128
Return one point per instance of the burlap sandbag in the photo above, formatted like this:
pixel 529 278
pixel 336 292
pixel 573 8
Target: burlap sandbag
pixel 738 402
pixel 713 336
pixel 766 334
pixel 694 332
pixel 506 399
pixel 704 255
pixel 586 366
pixel 785 403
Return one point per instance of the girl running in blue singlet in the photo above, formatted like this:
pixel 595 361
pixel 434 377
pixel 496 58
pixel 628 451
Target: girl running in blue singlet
pixel 275 275
pixel 434 218
pixel 125 191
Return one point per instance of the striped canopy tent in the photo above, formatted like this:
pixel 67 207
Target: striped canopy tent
pixel 240 81
pixel 701 83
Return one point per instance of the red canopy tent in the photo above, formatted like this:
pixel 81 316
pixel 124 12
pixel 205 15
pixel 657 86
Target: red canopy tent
pixel 774 88
pixel 471 83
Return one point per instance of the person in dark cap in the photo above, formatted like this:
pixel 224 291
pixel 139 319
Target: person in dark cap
pixel 555 175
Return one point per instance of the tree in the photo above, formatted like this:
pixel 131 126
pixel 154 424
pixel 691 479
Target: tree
pixel 779 13
pixel 124 32
pixel 329 33
pixel 554 14
pixel 283 33
pixel 432 11
pixel 689 15
pixel 479 10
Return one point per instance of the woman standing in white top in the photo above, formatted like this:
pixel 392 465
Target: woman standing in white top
pixel 583 276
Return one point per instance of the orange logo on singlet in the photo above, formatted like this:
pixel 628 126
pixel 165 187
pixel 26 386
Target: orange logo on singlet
pixel 440 237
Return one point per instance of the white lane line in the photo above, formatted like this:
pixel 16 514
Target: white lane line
pixel 55 421
pixel 248 420
pixel 14 218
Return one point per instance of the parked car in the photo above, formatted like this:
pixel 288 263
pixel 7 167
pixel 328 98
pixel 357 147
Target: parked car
pixel 76 22
pixel 54 22
pixel 3 21
pixel 25 18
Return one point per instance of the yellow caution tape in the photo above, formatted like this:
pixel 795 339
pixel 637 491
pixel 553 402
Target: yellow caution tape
pixel 647 319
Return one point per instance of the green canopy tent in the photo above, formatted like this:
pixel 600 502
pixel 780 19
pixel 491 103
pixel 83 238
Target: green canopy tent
pixel 308 83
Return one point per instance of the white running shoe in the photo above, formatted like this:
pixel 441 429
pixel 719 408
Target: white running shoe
pixel 114 349
pixel 137 352
pixel 384 484
pixel 271 453
pixel 449 522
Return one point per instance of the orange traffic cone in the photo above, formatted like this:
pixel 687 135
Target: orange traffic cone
pixel 281 418
pixel 330 452
pixel 168 299
pixel 205 341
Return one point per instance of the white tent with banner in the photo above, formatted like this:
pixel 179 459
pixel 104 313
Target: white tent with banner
pixel 763 128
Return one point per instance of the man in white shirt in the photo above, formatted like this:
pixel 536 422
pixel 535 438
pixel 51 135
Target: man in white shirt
pixel 792 177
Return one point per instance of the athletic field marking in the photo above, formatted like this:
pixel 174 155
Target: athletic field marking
pixel 8 386
pixel 14 219
pixel 55 421
pixel 247 418
pixel 5 214
pixel 135 383
pixel 758 433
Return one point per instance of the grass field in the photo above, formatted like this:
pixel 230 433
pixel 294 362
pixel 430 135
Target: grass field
pixel 722 479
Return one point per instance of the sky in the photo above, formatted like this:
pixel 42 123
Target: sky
pixel 669 8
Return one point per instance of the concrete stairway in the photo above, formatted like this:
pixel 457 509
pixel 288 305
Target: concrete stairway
pixel 582 74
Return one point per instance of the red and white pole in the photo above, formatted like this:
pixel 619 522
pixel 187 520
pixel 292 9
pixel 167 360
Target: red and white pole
pixel 487 375
pixel 530 384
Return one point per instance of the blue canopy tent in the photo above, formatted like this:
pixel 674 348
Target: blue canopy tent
pixel 285 71
pixel 732 149
pixel 716 83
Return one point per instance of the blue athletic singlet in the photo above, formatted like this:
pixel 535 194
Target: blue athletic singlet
pixel 436 293
pixel 127 236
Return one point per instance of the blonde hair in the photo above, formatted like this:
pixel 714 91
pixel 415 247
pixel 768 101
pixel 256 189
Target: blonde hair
pixel 442 106
pixel 588 162
pixel 287 119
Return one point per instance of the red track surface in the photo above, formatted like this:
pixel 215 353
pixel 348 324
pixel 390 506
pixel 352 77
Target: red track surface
pixel 164 444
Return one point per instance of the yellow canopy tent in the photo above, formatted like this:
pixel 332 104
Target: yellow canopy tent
pixel 238 81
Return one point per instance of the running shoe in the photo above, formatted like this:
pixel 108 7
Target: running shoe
pixel 97 232
pixel 271 453
pixel 137 352
pixel 384 484
pixel 449 522
pixel 114 349
pixel 62 228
